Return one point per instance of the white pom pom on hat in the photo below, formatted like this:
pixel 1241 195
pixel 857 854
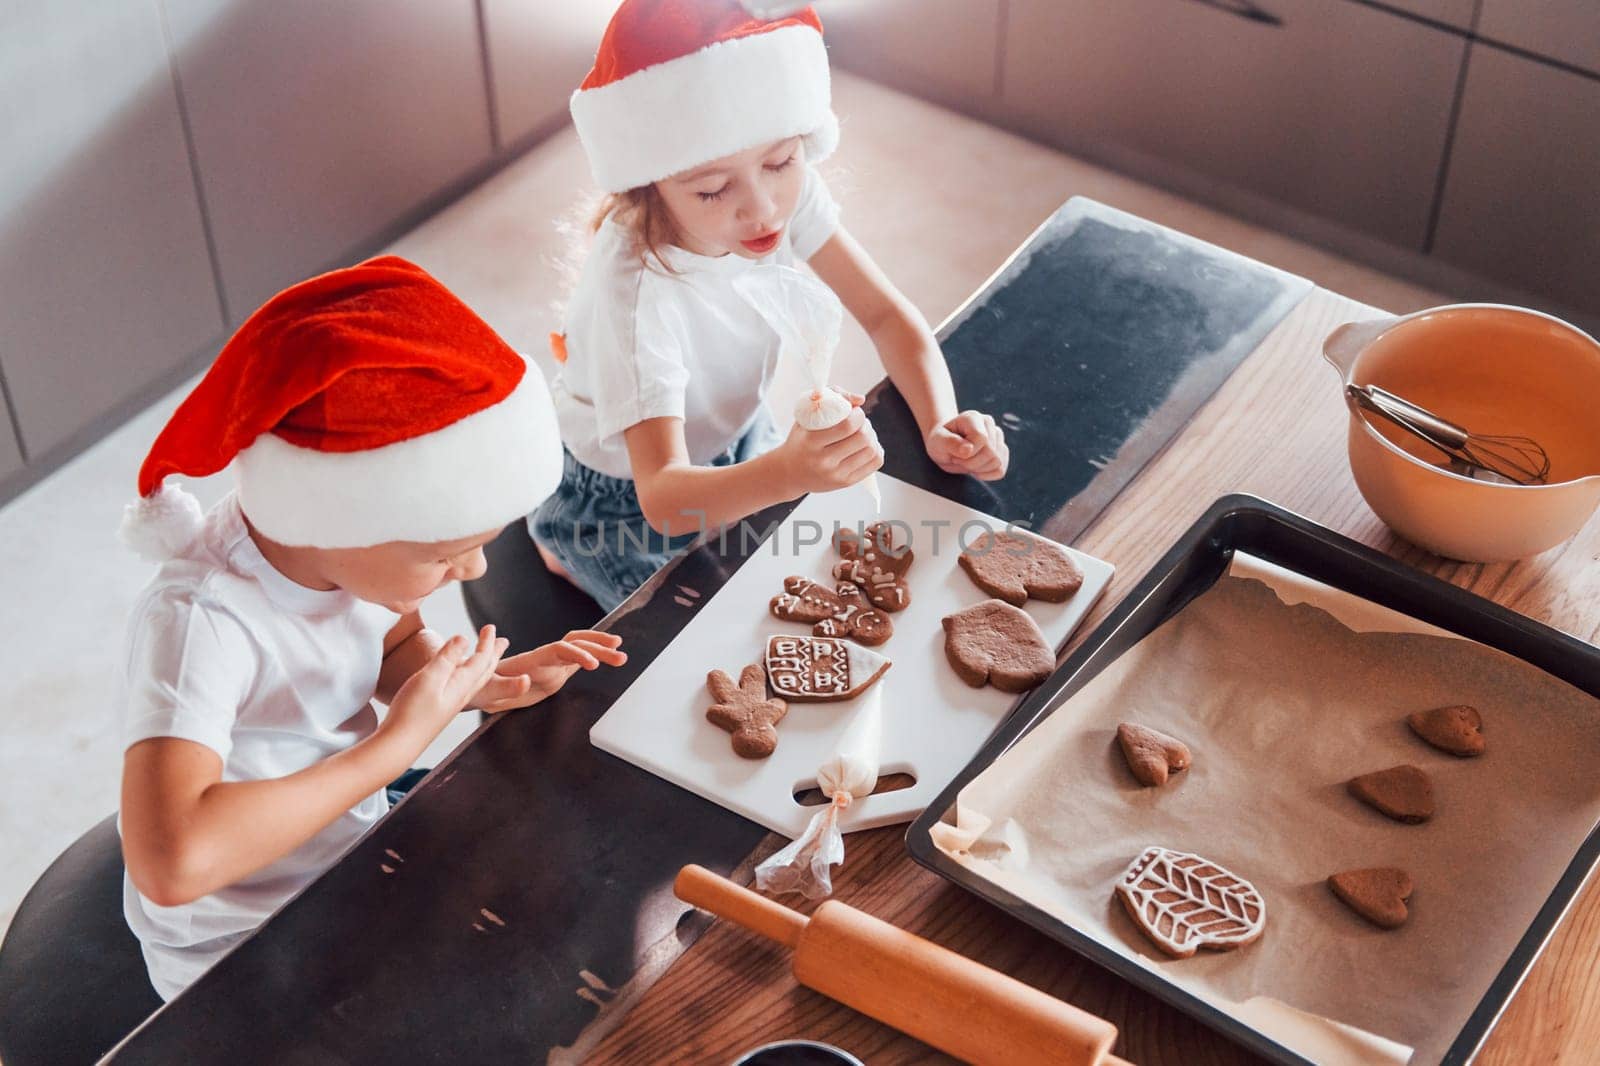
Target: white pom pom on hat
pixel 161 525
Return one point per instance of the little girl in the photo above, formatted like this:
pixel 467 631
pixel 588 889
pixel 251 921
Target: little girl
pixel 703 124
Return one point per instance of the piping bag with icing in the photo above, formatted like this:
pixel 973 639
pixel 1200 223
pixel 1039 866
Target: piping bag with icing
pixel 806 315
pixel 851 773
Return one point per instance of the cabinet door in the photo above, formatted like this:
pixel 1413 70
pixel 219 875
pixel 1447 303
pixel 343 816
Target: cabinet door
pixel 319 125
pixel 1565 30
pixel 538 54
pixel 944 50
pixel 1338 109
pixel 10 453
pixel 105 284
pixel 1457 13
pixel 1520 203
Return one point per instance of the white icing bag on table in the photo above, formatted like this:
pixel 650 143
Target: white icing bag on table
pixel 807 317
pixel 851 773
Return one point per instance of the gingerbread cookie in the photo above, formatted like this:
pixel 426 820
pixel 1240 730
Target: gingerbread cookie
pixel 997 644
pixel 830 613
pixel 812 669
pixel 872 562
pixel 1184 903
pixel 1458 729
pixel 1014 566
pixel 1151 754
pixel 1403 792
pixel 745 711
pixel 1378 894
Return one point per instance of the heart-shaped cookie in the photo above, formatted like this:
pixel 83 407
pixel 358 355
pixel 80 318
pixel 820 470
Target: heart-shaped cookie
pixel 1457 729
pixel 1378 894
pixel 1151 754
pixel 1402 792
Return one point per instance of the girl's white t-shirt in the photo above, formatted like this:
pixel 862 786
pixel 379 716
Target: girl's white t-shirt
pixel 225 651
pixel 644 343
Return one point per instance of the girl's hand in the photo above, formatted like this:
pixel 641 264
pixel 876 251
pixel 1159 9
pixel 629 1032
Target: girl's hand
pixel 445 685
pixel 970 443
pixel 530 677
pixel 821 460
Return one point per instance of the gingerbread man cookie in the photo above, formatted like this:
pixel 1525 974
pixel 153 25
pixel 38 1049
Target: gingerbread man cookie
pixel 832 613
pixel 745 711
pixel 872 562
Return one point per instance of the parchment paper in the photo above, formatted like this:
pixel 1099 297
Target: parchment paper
pixel 1281 703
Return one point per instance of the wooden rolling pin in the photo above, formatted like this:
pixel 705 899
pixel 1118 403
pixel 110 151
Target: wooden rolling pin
pixel 939 997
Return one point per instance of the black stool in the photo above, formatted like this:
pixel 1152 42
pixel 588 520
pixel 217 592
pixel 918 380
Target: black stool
pixel 519 595
pixel 72 978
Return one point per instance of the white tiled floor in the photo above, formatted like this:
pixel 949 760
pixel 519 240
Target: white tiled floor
pixel 939 199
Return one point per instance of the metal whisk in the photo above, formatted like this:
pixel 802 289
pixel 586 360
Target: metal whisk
pixel 1513 460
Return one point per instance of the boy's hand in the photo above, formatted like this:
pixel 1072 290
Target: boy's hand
pixel 530 677
pixel 821 460
pixel 970 443
pixel 445 685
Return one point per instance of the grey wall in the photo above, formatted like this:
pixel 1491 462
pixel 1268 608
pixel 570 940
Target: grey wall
pixel 169 164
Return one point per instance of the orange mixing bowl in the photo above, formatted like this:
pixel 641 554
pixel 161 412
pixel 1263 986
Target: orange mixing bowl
pixel 1494 370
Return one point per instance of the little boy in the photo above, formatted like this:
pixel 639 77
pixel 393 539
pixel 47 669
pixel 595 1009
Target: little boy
pixel 381 435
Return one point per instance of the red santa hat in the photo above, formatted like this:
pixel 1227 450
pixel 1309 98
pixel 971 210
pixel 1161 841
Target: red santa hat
pixel 362 406
pixel 678 83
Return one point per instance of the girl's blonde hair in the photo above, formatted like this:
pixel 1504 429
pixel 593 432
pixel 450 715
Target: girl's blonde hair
pixel 642 214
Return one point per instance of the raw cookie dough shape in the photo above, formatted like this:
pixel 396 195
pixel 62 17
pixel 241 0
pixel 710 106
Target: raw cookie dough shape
pixel 872 562
pixel 997 644
pixel 813 669
pixel 1184 903
pixel 1014 566
pixel 1402 792
pixel 1152 755
pixel 1457 729
pixel 746 711
pixel 1378 894
pixel 831 613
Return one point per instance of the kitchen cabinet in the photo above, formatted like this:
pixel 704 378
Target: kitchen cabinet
pixel 942 50
pixel 1456 13
pixel 1337 109
pixel 538 54
pixel 107 286
pixel 1519 205
pixel 10 453
pixel 320 126
pixel 1564 30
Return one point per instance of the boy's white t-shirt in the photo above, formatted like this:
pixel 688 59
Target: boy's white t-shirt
pixel 225 651
pixel 643 343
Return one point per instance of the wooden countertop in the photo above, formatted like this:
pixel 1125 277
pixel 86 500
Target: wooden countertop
pixel 1275 429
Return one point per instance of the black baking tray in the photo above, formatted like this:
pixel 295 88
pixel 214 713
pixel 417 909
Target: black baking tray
pixel 1195 562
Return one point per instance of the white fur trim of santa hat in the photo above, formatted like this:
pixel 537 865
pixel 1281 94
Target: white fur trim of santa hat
pixel 471 476
pixel 722 99
pixel 161 525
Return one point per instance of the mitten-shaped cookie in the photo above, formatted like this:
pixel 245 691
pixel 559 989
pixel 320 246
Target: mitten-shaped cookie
pixel 871 561
pixel 997 644
pixel 832 613
pixel 1016 566
pixel 745 711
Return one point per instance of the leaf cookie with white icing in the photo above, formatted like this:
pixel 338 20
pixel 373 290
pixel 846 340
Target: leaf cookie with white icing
pixel 1184 903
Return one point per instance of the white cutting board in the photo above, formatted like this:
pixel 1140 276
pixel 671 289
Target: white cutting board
pixel 933 722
